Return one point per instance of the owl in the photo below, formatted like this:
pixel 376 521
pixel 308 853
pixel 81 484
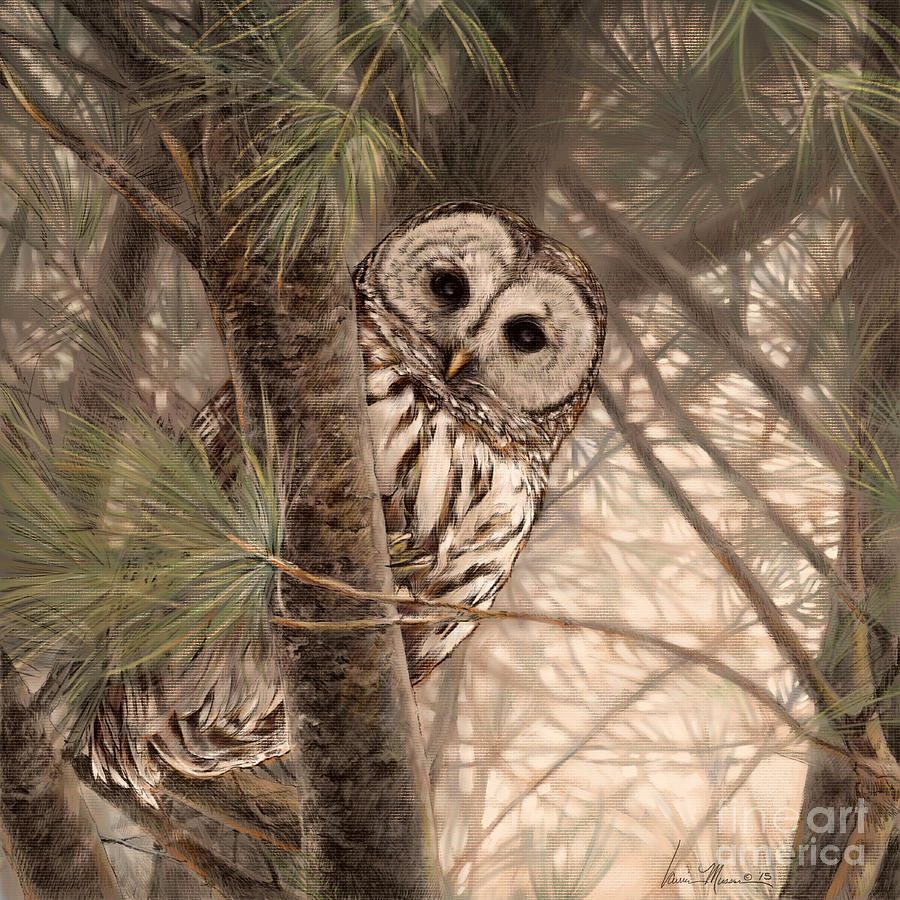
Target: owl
pixel 481 340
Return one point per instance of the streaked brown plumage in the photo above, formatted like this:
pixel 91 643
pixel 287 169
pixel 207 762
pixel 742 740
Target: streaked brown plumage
pixel 481 340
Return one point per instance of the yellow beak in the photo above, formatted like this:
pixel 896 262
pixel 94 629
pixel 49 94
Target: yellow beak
pixel 457 361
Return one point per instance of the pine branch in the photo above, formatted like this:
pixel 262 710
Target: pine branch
pixel 660 268
pixel 771 617
pixel 171 225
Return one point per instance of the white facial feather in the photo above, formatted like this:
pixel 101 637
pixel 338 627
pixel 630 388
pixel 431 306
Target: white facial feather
pixel 504 282
pixel 534 381
pixel 470 243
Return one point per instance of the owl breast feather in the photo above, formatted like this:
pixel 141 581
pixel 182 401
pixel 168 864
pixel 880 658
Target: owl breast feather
pixel 457 510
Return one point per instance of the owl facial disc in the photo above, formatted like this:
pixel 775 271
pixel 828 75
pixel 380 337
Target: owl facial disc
pixel 487 310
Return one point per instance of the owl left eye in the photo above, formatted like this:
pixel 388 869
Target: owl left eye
pixel 451 289
pixel 525 334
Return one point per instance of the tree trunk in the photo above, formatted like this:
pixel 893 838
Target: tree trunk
pixel 365 809
pixel 864 660
pixel 49 834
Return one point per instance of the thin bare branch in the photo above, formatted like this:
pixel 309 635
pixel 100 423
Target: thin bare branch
pixel 632 635
pixel 723 551
pixel 670 405
pixel 53 844
pixel 172 226
pixel 824 695
pixel 185 836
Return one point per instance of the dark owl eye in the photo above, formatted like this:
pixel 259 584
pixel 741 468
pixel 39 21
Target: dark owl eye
pixel 525 334
pixel 451 289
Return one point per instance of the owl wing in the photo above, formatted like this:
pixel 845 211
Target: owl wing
pixel 471 564
pixel 218 710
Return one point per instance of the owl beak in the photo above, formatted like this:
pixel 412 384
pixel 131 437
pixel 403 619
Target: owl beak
pixel 460 359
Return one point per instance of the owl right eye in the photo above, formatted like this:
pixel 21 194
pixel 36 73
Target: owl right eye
pixel 451 289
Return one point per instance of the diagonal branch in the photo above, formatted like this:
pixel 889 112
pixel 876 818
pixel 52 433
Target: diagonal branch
pixel 108 25
pixel 184 834
pixel 72 63
pixel 769 614
pixel 670 405
pixel 659 267
pixel 767 208
pixel 184 236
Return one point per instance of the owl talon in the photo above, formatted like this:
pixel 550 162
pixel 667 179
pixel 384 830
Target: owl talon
pixel 399 541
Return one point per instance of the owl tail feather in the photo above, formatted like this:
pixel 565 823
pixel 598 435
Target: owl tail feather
pixel 183 744
pixel 202 722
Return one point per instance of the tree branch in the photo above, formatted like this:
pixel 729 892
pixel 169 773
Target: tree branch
pixel 670 405
pixel 71 62
pixel 202 842
pixel 357 750
pixel 54 847
pixel 769 614
pixel 172 226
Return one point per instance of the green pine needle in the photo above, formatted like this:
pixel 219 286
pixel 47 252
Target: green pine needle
pixel 115 550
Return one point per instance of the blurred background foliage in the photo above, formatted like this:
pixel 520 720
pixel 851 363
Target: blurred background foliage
pixel 729 170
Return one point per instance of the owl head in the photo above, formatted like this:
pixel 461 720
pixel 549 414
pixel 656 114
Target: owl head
pixel 489 316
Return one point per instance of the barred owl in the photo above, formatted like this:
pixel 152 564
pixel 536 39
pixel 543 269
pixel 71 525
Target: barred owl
pixel 481 340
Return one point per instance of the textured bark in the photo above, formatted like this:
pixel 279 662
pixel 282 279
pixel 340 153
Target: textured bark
pixel 49 834
pixel 365 815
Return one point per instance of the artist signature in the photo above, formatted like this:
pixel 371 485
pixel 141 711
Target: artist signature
pixel 713 875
